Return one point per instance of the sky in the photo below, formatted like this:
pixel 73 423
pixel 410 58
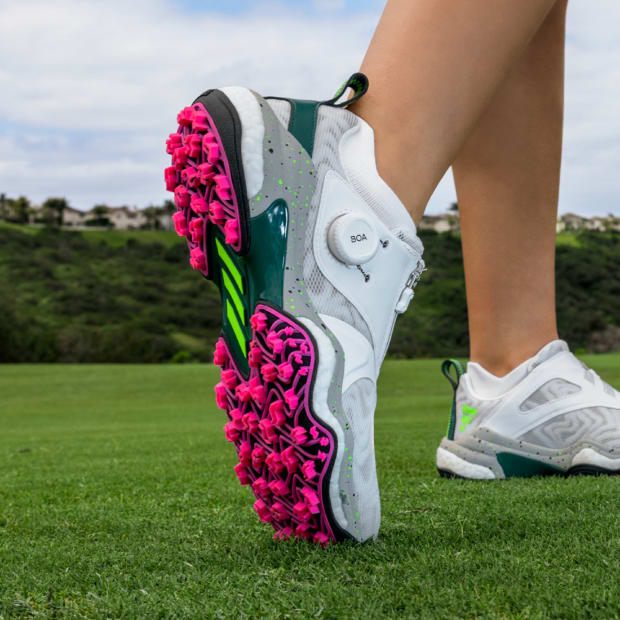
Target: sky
pixel 90 88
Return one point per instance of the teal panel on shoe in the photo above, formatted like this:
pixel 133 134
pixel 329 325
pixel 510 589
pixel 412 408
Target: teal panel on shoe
pixel 517 466
pixel 302 123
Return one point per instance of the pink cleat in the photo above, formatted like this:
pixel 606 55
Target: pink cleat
pixel 290 460
pixel 260 487
pixel 285 371
pixel 276 412
pixel 258 457
pixel 314 432
pixel 231 232
pixel 181 197
pixel 180 225
pixel 229 378
pixel 312 500
pixel 184 117
pixel 257 390
pixel 268 431
pixel 301 512
pixel 284 534
pixel 197 259
pixel 258 321
pixel 321 539
pixel 196 227
pixel 274 342
pixel 189 176
pixel 255 356
pixel 198 204
pixel 263 512
pixel 292 400
pixel 274 463
pixel 232 434
pixel 171 177
pixel 174 141
pixel 180 157
pixel 237 419
pixel 250 421
pixel 220 355
pixel 243 393
pixel 211 147
pixel 307 469
pixel 222 187
pixel 221 397
pixel 245 453
pixel 298 435
pixel 205 173
pixel 269 372
pixel 278 487
pixel 199 122
pixel 193 144
pixel 218 215
pixel 242 474
pixel 279 511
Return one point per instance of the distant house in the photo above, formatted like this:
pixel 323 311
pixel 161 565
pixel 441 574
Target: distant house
pixel 446 222
pixel 72 217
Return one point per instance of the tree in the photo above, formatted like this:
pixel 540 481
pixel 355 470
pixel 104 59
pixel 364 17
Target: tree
pixel 55 206
pixel 21 209
pixel 151 214
pixel 100 213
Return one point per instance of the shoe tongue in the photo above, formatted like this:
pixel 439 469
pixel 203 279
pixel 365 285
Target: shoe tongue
pixel 547 352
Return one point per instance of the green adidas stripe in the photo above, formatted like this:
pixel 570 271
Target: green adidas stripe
pixel 234 323
pixel 223 254
pixel 232 291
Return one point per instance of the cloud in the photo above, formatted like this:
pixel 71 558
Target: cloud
pixel 90 89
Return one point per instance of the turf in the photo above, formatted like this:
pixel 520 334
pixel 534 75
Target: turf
pixel 118 499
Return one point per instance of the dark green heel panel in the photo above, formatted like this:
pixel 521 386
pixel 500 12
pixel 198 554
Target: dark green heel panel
pixel 517 466
pixel 244 281
pixel 302 123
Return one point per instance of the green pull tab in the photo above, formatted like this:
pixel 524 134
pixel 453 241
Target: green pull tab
pixel 358 82
pixel 446 369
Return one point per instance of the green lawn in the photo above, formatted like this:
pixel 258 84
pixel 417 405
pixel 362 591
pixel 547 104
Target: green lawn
pixel 118 499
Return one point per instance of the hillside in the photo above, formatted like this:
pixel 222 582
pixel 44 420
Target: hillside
pixel 130 296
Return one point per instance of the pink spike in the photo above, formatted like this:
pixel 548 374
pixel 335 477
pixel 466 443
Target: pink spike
pixel 312 500
pixel 263 512
pixel 260 487
pixel 284 534
pixel 304 349
pixel 222 186
pixel 206 173
pixel 193 144
pixel 321 456
pixel 308 470
pixel 274 342
pixel 269 371
pixel 250 421
pixel 229 378
pixel 179 157
pixel 237 419
pixel 174 141
pixel 303 371
pixel 288 330
pixel 257 390
pixel 242 474
pixel 298 357
pixel 298 435
pixel 218 215
pixel 171 177
pixel 267 430
pixel 184 117
pixel 181 197
pixel 276 412
pixel 285 371
pixel 255 356
pixel 220 355
pixel 243 393
pixel 303 531
pixel 274 462
pixel 199 122
pixel 196 227
pixel 292 400
pixel 324 441
pixel 278 487
pixel 189 176
pixel 321 539
pixel 258 457
pixel 199 204
pixel 290 460
pixel 258 321
pixel 212 148
pixel 221 396
pixel 180 225
pixel 197 259
pixel 314 432
pixel 300 510
pixel 231 231
pixel 232 434
pixel 245 453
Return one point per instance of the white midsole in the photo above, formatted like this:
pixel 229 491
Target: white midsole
pixel 447 461
pixel 252 136
pixel 587 456
pixel 324 375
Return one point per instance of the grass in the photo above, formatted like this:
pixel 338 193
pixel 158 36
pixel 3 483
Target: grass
pixel 118 499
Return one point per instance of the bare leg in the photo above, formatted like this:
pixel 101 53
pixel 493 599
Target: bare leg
pixel 507 178
pixel 433 66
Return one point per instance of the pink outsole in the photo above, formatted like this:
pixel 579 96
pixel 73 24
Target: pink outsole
pixel 284 453
pixel 200 180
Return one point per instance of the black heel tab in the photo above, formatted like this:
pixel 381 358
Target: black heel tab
pixel 358 82
pixel 446 369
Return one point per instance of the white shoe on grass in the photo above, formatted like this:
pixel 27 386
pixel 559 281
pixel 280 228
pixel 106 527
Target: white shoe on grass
pixel 315 257
pixel 550 415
